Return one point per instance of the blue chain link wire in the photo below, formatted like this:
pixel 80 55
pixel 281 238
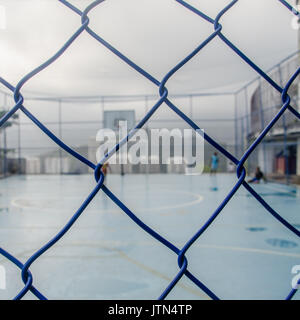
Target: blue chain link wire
pixel 26 275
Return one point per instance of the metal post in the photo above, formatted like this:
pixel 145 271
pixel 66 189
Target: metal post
pixel 146 104
pixel 285 149
pixel 248 119
pixel 102 112
pixel 191 106
pixel 242 135
pixel 60 135
pixel 247 114
pixel 235 127
pixel 4 165
pixel 4 153
pixel 146 127
pixel 19 146
pixel 146 110
pixel 262 121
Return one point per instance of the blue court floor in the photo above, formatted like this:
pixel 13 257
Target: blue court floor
pixel 245 254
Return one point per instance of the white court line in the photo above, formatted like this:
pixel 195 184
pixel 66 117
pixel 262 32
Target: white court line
pixel 158 274
pixel 155 272
pixel 199 198
pixel 113 245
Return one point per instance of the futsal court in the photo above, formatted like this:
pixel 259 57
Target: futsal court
pixel 245 254
pixel 74 71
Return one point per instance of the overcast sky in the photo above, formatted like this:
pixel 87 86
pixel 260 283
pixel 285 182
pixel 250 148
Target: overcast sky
pixel 156 34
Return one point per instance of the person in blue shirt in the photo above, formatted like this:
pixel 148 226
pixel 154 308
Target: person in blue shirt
pixel 214 163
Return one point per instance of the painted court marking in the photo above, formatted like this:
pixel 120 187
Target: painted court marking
pixel 27 203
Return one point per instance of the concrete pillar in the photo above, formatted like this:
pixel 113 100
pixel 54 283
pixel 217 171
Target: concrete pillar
pixel 266 158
